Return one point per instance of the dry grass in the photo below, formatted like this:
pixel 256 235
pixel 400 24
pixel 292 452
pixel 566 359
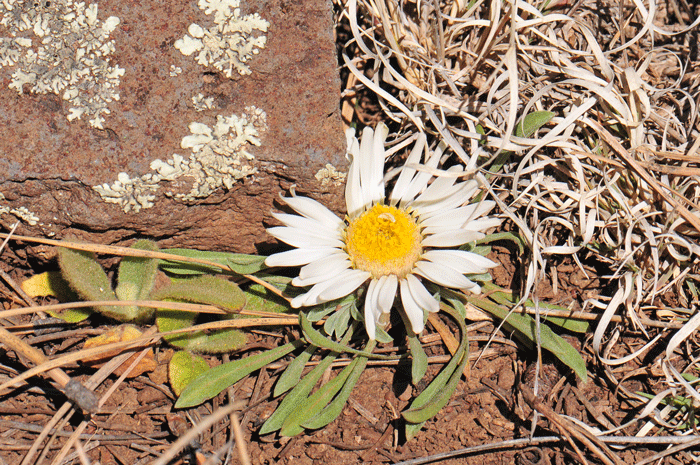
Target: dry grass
pixel 613 179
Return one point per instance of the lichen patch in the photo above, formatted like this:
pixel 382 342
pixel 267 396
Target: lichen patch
pixel 230 43
pixel 329 175
pixel 23 213
pixel 61 47
pixel 219 157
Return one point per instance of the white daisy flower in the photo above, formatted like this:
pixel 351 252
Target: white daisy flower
pixel 393 242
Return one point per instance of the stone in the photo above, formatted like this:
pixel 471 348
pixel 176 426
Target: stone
pixel 200 157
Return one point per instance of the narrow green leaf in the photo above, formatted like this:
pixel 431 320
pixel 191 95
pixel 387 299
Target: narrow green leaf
pixel 438 393
pixel 525 328
pixel 239 263
pixel 87 278
pixel 335 407
pixel 316 338
pixel 532 122
pixel 337 323
pixel 299 394
pixel 504 236
pixel 183 368
pixel 211 383
pixel 419 362
pixel 292 374
pixel 315 403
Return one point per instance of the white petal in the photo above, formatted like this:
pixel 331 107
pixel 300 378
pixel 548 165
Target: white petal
pixel 303 238
pixel 457 217
pixel 313 297
pixel 443 275
pixel 450 238
pixel 371 312
pixel 353 189
pixel 420 180
pixel 367 179
pixel 344 285
pixel 482 224
pixel 439 187
pixel 421 295
pixel 301 222
pixel 310 208
pixel 297 257
pixel 322 270
pixel 376 163
pixel 386 292
pixel 452 198
pixel 407 173
pixel 460 260
pixel 413 311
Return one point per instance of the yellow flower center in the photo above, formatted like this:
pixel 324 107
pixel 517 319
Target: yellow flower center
pixel 384 240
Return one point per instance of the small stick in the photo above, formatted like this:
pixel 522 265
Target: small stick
pixel 76 392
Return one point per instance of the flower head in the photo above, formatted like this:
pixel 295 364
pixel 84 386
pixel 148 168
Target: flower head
pixel 393 242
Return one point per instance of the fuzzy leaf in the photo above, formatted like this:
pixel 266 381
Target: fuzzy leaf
pixel 87 278
pixel 419 364
pixel 212 382
pixel 171 320
pixel 136 278
pixel 260 299
pixel 185 367
pixel 52 283
pixel 204 290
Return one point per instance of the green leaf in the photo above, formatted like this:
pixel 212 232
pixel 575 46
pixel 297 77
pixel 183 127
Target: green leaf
pixel 239 263
pixel 314 404
pixel 419 362
pixel 316 338
pixel 335 407
pixel 261 299
pixel 292 374
pixel 171 320
pixel 532 122
pixel 525 329
pixel 183 368
pixel 570 324
pixel 136 278
pixel 298 395
pixel 438 393
pixel 504 236
pixel 204 290
pixel 337 323
pixel 87 278
pixel 211 383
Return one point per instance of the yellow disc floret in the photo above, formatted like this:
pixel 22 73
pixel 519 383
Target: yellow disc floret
pixel 384 240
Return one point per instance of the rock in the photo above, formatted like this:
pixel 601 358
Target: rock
pixel 226 147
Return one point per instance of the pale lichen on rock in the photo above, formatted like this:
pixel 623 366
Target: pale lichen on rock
pixel 230 43
pixel 218 158
pixel 61 47
pixel 23 213
pixel 329 175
